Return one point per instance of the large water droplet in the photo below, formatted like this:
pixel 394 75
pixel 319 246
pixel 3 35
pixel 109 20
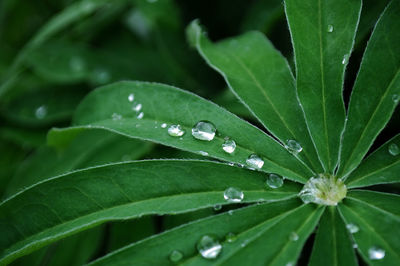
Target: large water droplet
pixel 209 247
pixel 345 59
pixel 352 228
pixel 233 195
pixel 116 117
pixel 176 131
pixel 274 181
pixel 396 98
pixel 375 253
pixel 175 256
pixel 293 146
pixel 230 237
pixel 330 28
pixel 41 112
pixel 394 149
pixel 293 236
pixel 131 97
pixel 204 130
pixel 229 145
pixel 255 161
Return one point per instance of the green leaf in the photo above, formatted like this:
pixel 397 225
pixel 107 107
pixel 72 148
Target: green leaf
pixel 378 224
pixel 60 206
pixel 323 34
pixel 166 104
pixel 261 78
pixel 332 244
pixel 249 225
pixel 376 90
pixel 380 167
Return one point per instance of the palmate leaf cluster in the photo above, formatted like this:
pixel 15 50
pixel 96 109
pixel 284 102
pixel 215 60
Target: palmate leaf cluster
pixel 301 103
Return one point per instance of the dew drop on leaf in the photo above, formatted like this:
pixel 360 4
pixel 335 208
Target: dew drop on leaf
pixel 345 59
pixel 116 116
pixel 137 107
pixel 41 112
pixel 394 149
pixel 175 256
pixel 101 76
pixel 176 131
pixel 163 125
pixel 375 253
pixel 131 97
pixel 330 28
pixel 255 161
pixel 293 236
pixel 352 228
pixel 293 146
pixel 229 145
pixel 140 115
pixel 230 237
pixel 217 207
pixel 204 153
pixel 274 181
pixel 232 194
pixel 204 130
pixel 396 98
pixel 77 64
pixel 209 247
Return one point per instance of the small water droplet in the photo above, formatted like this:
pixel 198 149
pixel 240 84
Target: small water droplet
pixel 394 149
pixel 116 116
pixel 255 161
pixel 164 125
pixel 330 28
pixel 140 115
pixel 244 243
pixel 175 131
pixel 293 146
pixel 274 181
pixel 137 107
pixel 101 76
pixel 204 130
pixel 131 97
pixel 217 207
pixel 375 253
pixel 77 64
pixel 41 112
pixel 291 263
pixel 230 212
pixel 396 98
pixel 345 59
pixel 204 153
pixel 175 256
pixel 293 236
pixel 232 194
pixel 355 245
pixel 209 247
pixel 229 145
pixel 352 228
pixel 230 237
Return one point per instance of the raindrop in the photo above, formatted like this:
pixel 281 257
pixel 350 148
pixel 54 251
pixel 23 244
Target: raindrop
pixel 77 64
pixel 394 149
pixel 176 131
pixel 355 245
pixel 204 153
pixel 164 125
pixel 274 181
pixel 209 247
pixel 352 228
pixel 293 146
pixel 233 195
pixel 175 256
pixel 229 145
pixel 230 237
pixel 116 116
pixel 396 98
pixel 204 130
pixel 41 112
pixel 375 253
pixel 140 115
pixel 330 28
pixel 137 107
pixel 254 161
pixel 293 236
pixel 131 97
pixel 345 59
pixel 217 207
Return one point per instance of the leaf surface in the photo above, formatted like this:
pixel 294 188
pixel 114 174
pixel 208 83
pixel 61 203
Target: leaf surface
pixel 70 203
pixel 323 34
pixel 165 104
pixel 261 78
pixel 376 90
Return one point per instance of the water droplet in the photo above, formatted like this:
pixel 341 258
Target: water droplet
pixel 355 245
pixel 394 149
pixel 204 153
pixel 204 130
pixel 291 263
pixel 254 161
pixel 209 247
pixel 293 236
pixel 230 237
pixel 131 97
pixel 140 115
pixel 175 131
pixel 233 195
pixel 116 116
pixel 137 107
pixel 352 228
pixel 229 145
pixel 175 256
pixel 217 207
pixel 77 64
pixel 330 28
pixel 244 243
pixel 41 112
pixel 375 253
pixel 396 98
pixel 164 125
pixel 101 76
pixel 345 59
pixel 274 181
pixel 293 146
